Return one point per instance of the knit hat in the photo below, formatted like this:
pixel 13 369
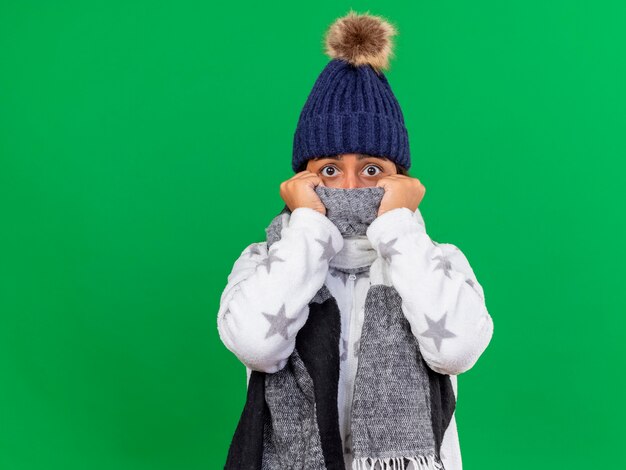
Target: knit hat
pixel 351 108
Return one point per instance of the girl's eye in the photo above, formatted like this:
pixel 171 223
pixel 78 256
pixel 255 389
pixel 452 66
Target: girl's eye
pixel 372 167
pixel 331 171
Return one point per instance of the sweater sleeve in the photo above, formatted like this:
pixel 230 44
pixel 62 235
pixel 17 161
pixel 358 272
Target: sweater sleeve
pixel 441 297
pixel 265 302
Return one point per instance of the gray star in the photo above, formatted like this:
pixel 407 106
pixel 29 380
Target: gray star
pixel 348 447
pixel 329 251
pixel 387 250
pixel 268 261
pixel 444 264
pixel 437 330
pixel 344 345
pixel 255 250
pixel 473 285
pixel 278 323
pixel 340 274
pixel 357 345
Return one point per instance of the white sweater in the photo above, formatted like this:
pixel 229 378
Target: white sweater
pixel 434 280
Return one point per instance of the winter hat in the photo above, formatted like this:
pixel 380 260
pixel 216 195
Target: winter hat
pixel 351 108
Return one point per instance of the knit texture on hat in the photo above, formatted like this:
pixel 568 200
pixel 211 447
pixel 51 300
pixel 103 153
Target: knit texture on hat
pixel 352 108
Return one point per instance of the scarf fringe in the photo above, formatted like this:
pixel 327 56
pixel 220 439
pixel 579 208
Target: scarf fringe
pixel 420 462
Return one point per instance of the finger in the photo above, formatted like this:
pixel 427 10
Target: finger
pixel 381 183
pixel 316 181
pixel 301 174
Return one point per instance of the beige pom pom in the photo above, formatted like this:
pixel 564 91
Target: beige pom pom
pixel 360 40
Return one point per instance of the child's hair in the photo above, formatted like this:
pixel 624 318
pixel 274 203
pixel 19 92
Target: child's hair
pixel 399 168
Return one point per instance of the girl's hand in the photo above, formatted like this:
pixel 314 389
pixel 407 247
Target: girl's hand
pixel 400 191
pixel 298 191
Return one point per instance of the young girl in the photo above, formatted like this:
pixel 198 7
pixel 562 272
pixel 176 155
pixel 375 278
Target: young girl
pixel 352 323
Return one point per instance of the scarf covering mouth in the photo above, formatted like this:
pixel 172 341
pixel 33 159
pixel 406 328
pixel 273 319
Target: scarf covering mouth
pixel 352 211
pixel 400 408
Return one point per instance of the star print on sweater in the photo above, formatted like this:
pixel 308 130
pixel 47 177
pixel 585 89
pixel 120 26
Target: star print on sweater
pixel 449 346
pixel 329 251
pixel 387 250
pixel 255 250
pixel 278 323
pixel 267 262
pixel 437 331
pixel 444 264
pixel 475 287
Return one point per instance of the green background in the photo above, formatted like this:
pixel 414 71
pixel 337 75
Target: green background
pixel 141 149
